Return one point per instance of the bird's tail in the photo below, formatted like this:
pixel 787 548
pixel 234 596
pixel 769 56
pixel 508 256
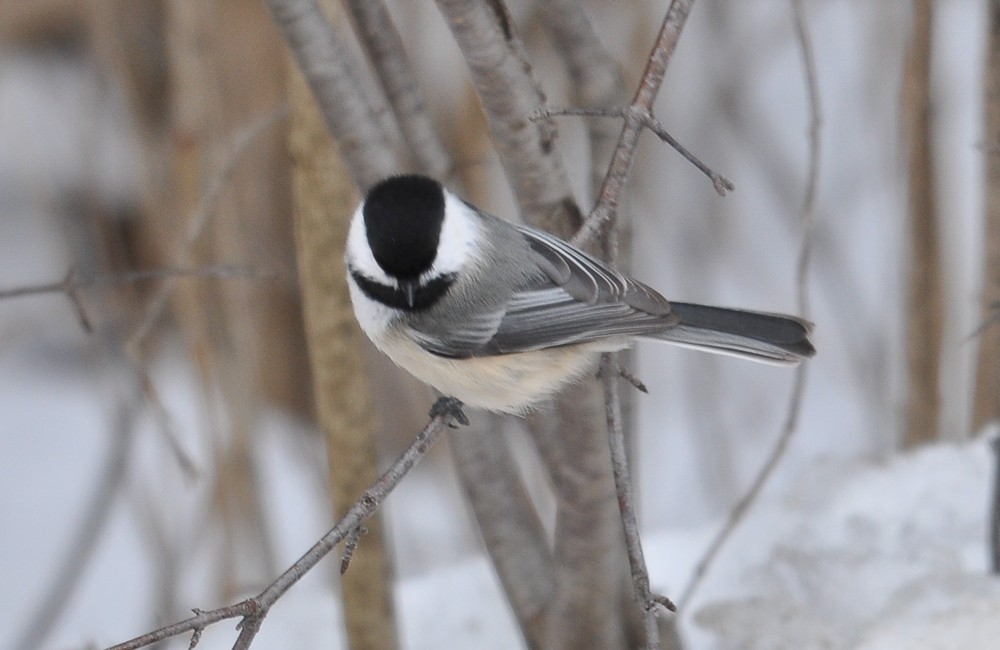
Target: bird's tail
pixel 772 338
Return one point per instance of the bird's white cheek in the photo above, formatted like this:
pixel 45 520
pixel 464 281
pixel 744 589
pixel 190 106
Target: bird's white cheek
pixel 374 317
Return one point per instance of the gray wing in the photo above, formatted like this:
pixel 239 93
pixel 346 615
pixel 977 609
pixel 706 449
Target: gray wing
pixel 573 298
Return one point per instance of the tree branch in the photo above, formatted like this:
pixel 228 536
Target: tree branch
pixel 603 218
pixel 925 297
pixel 595 77
pixel 84 542
pixel 511 530
pixel 253 610
pixel 328 69
pixel 623 486
pixel 609 197
pixel 73 281
pixel 323 199
pixel 200 218
pixel 986 399
pixel 649 121
pixel 381 41
pixel 502 77
pixel 994 534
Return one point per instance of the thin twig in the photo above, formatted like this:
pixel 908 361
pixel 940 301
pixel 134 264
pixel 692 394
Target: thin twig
pixel 802 280
pixel 353 539
pixel 636 383
pixel 609 198
pixel 163 420
pixel 200 218
pixel 602 220
pixel 253 610
pixel 623 487
pixel 73 281
pixel 815 154
pixel 989 322
pixel 84 542
pixel 995 509
pixel 628 376
pixel 595 78
pixel 743 505
pixel 925 300
pixel 721 184
pixel 994 536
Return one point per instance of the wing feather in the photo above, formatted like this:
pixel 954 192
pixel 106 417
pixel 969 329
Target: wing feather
pixel 572 298
pixel 575 298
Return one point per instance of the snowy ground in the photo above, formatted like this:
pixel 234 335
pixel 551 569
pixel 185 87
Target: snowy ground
pixel 852 554
pixel 875 556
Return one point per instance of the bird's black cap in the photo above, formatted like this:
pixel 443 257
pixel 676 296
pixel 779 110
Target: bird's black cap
pixel 403 219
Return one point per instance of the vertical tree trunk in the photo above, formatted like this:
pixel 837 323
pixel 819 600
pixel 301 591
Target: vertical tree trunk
pixel 925 306
pixel 323 199
pixel 589 557
pixel 986 406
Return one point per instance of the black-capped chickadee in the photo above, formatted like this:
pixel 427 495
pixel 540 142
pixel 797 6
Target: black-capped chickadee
pixel 503 316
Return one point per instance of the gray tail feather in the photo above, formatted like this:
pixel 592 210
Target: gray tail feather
pixel 755 335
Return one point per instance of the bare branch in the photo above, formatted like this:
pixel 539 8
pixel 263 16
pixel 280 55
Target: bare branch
pixel 637 116
pixel 609 198
pixel 381 41
pixel 333 80
pixel 253 610
pixel 595 77
pixel 588 606
pixel 163 421
pixel 200 218
pixel 721 184
pixel 993 309
pixel 84 542
pixel 926 304
pixel 352 543
pixel 344 402
pixel 603 217
pixel 986 398
pixel 502 77
pixel 815 156
pixel 744 504
pixel 994 536
pixel 637 383
pixel 623 486
pixel 74 281
pixel 588 569
pixel 511 530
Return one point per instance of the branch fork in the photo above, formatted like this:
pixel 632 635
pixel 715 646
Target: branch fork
pixel 645 118
pixel 350 527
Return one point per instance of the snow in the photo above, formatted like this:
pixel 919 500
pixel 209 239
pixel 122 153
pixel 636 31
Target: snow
pixel 860 554
pixel 872 556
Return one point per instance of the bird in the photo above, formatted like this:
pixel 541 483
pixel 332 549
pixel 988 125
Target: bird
pixel 503 316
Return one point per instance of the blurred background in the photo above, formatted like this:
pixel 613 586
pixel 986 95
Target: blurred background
pixel 158 441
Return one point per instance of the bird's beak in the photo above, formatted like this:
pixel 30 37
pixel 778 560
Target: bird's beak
pixel 409 288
